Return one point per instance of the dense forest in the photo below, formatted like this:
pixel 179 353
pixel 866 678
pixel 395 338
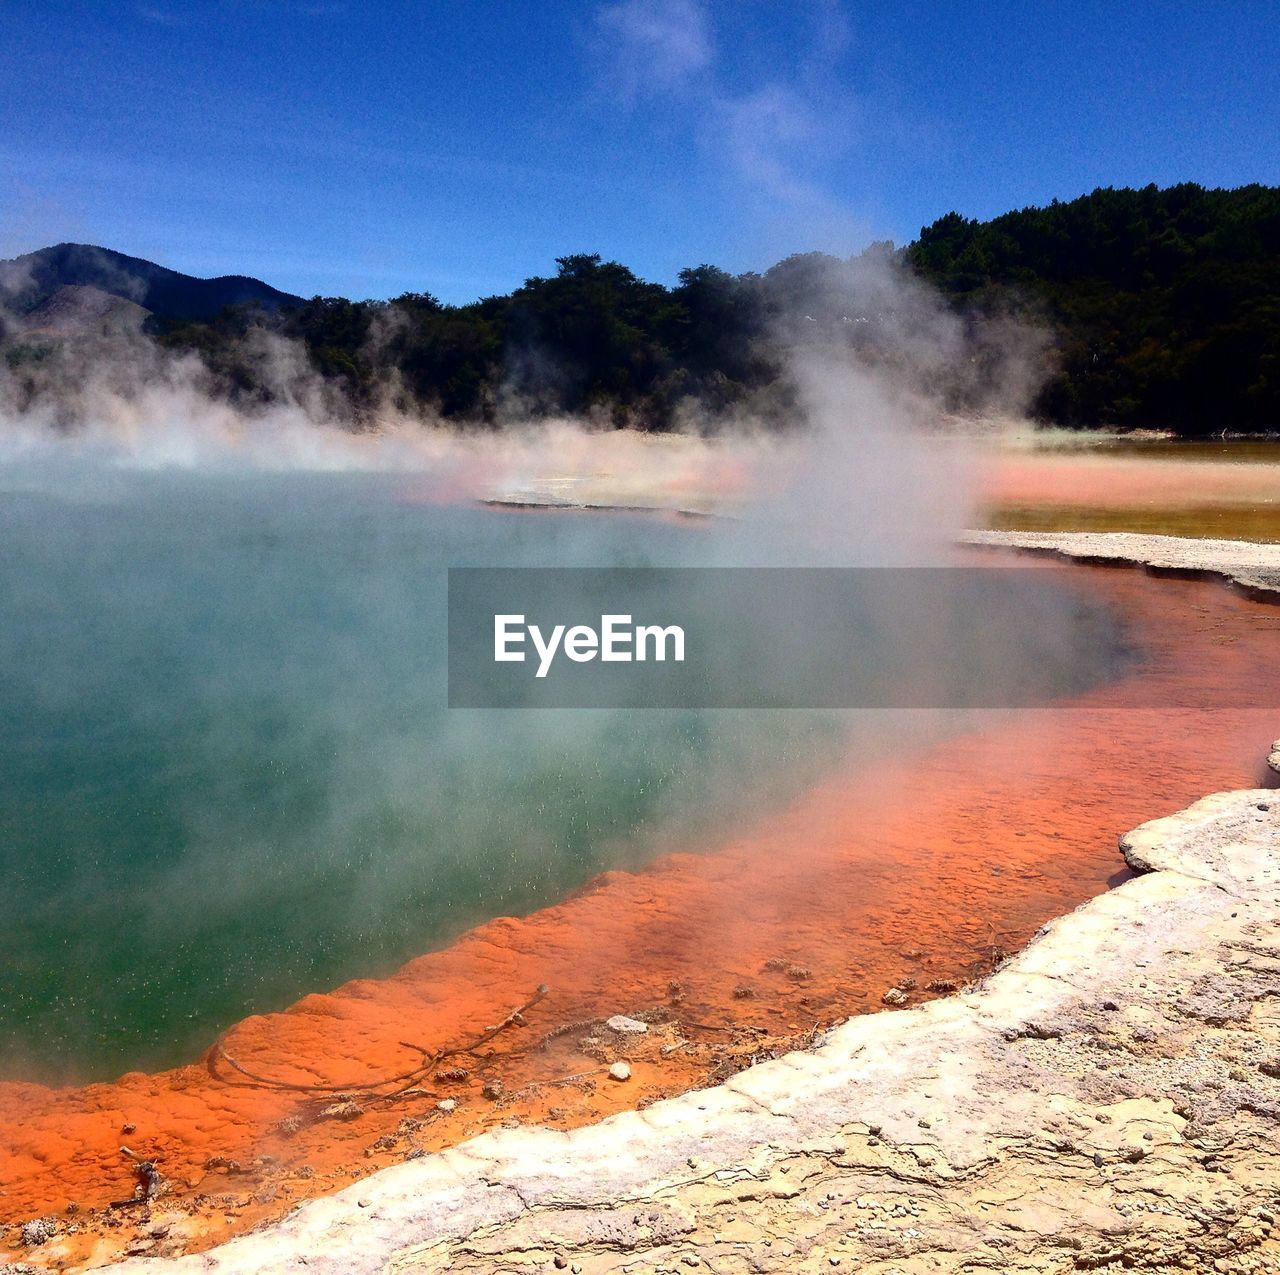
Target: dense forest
pixel 1155 308
pixel 1164 305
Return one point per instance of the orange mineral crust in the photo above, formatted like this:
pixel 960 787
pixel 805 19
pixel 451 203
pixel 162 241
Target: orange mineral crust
pixel 900 881
pixel 1078 478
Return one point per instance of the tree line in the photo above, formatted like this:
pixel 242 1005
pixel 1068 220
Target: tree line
pixel 1156 308
pixel 1163 304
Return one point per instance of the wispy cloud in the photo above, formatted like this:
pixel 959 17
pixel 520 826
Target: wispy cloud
pixel 654 45
pixel 766 133
pixel 770 136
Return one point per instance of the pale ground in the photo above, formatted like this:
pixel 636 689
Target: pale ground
pixel 1253 567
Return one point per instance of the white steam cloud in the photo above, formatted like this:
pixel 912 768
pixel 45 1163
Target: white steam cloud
pixel 214 578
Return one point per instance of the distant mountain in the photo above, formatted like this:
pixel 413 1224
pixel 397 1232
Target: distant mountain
pixel 75 308
pixel 30 281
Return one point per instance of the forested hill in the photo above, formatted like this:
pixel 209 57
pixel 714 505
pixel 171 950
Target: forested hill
pixel 1165 304
pixel 1162 309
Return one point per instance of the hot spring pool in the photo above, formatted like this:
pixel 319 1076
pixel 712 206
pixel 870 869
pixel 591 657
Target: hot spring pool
pixel 227 775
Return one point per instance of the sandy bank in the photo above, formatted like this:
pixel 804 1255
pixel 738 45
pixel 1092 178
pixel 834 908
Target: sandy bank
pixel 1171 489
pixel 1110 1095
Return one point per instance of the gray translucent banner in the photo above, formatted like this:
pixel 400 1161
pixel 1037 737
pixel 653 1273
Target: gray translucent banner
pixel 776 638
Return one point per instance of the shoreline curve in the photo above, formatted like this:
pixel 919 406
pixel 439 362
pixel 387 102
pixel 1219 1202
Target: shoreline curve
pixel 1110 1095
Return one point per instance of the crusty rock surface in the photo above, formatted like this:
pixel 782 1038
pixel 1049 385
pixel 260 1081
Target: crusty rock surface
pixel 1110 1098
pixel 1253 567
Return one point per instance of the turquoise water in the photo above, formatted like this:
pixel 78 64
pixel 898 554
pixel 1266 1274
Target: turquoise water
pixel 227 775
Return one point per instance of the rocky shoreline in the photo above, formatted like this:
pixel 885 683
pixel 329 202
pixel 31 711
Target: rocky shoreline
pixel 1109 1097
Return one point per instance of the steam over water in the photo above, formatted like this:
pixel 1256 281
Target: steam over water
pixel 228 776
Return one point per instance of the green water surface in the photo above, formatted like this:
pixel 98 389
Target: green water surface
pixel 228 777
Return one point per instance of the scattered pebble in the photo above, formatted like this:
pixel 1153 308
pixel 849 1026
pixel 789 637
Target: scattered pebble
pixel 620 1071
pixel 346 1110
pixel 625 1026
pixel 38 1231
pixel 447 1105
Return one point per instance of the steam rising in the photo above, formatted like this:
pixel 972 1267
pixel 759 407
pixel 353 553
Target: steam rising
pixel 227 618
pixel 225 627
pixel 874 364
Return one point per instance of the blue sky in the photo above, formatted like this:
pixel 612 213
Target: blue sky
pixel 369 148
